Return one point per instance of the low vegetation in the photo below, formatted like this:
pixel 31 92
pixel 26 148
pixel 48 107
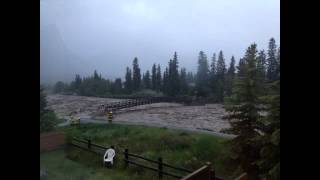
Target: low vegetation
pixel 177 148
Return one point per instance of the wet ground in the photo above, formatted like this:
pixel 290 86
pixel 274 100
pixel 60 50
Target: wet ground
pixel 205 118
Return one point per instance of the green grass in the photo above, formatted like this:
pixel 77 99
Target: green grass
pixel 176 147
pixel 59 167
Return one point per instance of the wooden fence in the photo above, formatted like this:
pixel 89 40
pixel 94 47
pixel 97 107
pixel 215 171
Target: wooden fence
pixel 160 165
pixel 204 173
pixel 130 158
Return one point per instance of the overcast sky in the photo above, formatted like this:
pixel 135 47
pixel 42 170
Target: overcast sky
pixel 106 35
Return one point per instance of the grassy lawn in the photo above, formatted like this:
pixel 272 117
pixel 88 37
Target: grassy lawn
pixel 176 147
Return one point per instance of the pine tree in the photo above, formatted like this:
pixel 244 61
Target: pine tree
pixel 183 81
pixel 173 76
pixel 220 77
pixel 128 82
pixel 165 81
pixel 230 77
pixel 190 78
pixel 95 75
pixel 272 60
pixel 241 68
pixel 158 79
pixel 146 80
pixel 270 127
pixel 243 116
pixel 212 74
pixel 202 75
pixel 118 86
pixel 261 65
pixel 154 77
pixel 136 79
pixel 261 72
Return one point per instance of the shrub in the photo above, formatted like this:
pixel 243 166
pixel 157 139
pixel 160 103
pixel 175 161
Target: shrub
pixel 48 121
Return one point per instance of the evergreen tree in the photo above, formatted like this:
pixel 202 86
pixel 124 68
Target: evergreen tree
pixel 128 82
pixel 212 74
pixel 154 77
pixel 146 80
pixel 230 77
pixel 95 75
pixel 261 72
pixel 243 117
pixel 136 79
pixel 173 77
pixel 261 65
pixel 272 60
pixel 270 127
pixel 220 77
pixel 241 68
pixel 165 81
pixel 117 86
pixel 158 79
pixel 202 75
pixel 190 78
pixel 183 81
pixel 59 87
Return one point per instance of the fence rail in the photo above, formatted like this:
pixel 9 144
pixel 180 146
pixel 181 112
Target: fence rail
pixel 87 146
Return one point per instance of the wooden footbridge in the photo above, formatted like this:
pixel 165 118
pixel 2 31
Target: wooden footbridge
pixel 137 101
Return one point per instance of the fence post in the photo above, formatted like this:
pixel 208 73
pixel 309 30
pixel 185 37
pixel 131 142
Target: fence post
pixel 89 143
pixel 160 167
pixel 126 157
pixel 212 175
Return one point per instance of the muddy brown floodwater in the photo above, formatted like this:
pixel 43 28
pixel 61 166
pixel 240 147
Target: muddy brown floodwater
pixel 207 117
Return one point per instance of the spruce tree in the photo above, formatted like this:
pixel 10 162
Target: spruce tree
pixel 183 81
pixel 243 117
pixel 128 82
pixel 118 86
pixel 202 75
pixel 269 162
pixel 220 77
pixel 261 65
pixel 272 60
pixel 165 81
pixel 230 77
pixel 136 78
pixel 147 82
pixel 158 79
pixel 212 74
pixel 241 68
pixel 154 77
pixel 173 76
pixel 261 72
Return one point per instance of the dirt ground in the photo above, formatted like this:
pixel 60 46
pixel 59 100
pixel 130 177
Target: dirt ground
pixel 207 117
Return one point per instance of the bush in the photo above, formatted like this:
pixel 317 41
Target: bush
pixel 48 121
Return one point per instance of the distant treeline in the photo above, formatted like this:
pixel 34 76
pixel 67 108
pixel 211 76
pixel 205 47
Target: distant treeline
pixel 213 80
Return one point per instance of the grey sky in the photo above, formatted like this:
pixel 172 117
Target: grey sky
pixel 106 35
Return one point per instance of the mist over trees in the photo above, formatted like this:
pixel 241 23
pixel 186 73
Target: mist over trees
pixel 214 79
